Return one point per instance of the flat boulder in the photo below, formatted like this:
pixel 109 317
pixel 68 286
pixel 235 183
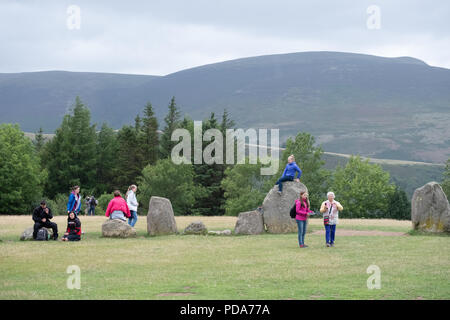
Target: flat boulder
pixel 117 229
pixel 196 227
pixel 276 207
pixel 430 209
pixel 27 234
pixel 250 222
pixel 160 217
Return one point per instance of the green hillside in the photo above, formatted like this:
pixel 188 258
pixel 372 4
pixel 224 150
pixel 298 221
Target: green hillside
pixel 394 108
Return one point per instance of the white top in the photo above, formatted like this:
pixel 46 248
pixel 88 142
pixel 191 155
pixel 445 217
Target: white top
pixel 334 215
pixel 132 201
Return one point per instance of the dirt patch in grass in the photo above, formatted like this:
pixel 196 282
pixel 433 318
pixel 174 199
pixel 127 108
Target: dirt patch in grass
pixel 165 294
pixel 346 232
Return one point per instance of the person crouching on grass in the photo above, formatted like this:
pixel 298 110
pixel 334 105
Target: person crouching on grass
pixel 73 232
pixel 330 209
pixel 289 173
pixel 302 208
pixel 118 208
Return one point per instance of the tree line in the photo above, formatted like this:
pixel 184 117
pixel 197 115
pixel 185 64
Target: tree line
pixel 103 160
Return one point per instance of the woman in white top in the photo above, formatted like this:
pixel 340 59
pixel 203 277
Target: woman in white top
pixel 330 209
pixel 132 204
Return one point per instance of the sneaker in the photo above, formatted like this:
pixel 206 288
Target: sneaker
pixel 332 244
pixel 328 245
pixel 279 192
pixel 305 246
pixel 55 237
pixel 302 246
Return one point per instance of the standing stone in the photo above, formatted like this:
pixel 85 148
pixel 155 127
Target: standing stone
pixel 430 210
pixel 276 207
pixel 117 229
pixel 196 227
pixel 250 222
pixel 160 217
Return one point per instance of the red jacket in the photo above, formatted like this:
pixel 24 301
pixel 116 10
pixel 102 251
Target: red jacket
pixel 119 204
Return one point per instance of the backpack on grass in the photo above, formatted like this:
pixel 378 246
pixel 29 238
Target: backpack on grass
pixel 42 235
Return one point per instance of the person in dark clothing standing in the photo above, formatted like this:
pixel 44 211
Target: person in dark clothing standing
pixel 41 218
pixel 73 232
pixel 92 203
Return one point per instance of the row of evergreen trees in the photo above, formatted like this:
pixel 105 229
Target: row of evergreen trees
pixel 107 159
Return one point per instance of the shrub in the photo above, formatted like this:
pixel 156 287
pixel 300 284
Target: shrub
pixel 103 201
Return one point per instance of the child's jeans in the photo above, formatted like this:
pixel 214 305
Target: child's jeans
pixel 281 180
pixel 301 224
pixel 133 219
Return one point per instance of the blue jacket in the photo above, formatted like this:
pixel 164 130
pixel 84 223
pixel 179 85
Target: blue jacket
pixel 290 170
pixel 71 203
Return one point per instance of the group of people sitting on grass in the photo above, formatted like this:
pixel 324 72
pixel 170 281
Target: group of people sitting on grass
pixel 118 208
pixel 329 208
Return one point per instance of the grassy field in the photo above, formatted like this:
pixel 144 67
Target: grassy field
pixel 220 267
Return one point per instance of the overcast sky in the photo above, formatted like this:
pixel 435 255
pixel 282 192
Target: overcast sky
pixel 161 37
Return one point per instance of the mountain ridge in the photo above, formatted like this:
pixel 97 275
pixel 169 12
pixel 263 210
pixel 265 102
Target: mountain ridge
pixel 381 107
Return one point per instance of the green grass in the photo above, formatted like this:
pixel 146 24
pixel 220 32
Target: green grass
pixel 219 267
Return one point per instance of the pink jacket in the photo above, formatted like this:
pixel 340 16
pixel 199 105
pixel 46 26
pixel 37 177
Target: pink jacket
pixel 302 212
pixel 118 203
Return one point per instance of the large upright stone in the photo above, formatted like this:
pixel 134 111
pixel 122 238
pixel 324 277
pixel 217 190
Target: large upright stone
pixel 276 207
pixel 250 222
pixel 430 210
pixel 115 228
pixel 160 217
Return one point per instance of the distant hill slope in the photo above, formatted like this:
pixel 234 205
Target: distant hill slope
pixel 395 108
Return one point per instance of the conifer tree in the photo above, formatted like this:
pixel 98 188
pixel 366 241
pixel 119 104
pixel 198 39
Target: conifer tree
pixel 172 121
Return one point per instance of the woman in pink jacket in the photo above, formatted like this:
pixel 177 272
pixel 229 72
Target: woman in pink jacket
pixel 118 208
pixel 302 208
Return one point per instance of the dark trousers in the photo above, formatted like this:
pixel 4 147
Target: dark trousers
pixel 281 180
pixel 330 231
pixel 91 211
pixel 46 224
pixel 72 237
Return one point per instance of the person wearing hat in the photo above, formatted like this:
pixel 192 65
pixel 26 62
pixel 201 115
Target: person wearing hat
pixel 41 218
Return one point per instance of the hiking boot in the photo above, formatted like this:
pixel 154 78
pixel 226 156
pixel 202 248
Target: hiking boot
pixel 55 237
